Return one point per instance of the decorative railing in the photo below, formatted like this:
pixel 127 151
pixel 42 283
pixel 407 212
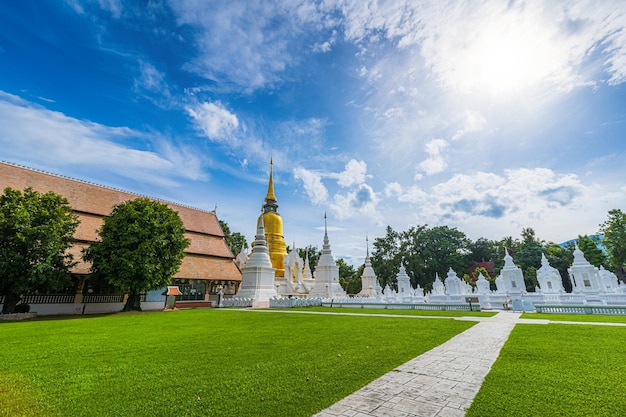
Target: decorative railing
pixel 295 302
pixel 401 306
pixel 237 302
pixel 103 298
pixel 48 299
pixel 585 309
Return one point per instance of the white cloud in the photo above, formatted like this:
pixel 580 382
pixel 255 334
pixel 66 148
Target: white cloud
pixel 312 181
pixel 355 173
pixel 521 194
pixel 435 163
pixel 246 45
pixel 392 189
pixel 114 7
pixel 360 202
pixel 217 123
pixel 151 79
pixel 62 141
pixel 474 122
pixel 497 45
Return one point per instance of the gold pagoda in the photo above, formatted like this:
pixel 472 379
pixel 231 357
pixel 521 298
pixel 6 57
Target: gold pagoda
pixel 274 229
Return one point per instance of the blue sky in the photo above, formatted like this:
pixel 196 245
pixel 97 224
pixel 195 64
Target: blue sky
pixel 486 116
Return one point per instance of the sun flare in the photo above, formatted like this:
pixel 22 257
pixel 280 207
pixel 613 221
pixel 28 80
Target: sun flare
pixel 502 60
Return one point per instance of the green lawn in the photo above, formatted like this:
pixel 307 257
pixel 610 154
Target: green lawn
pixel 557 370
pixel 201 362
pixel 601 318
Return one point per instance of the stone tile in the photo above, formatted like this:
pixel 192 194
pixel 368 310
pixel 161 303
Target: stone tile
pixel 450 412
pixel 417 408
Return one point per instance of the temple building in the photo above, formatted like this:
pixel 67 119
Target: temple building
pixel 206 269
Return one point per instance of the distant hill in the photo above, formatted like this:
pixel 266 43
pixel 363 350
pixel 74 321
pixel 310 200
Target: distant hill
pixel 599 236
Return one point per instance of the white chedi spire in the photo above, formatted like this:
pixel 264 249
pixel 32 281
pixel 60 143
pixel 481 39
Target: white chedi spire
pixel 438 287
pixel 326 273
pixel 549 278
pixel 584 275
pixel 404 282
pixel 257 280
pixel 511 279
pixel 307 275
pixel 369 283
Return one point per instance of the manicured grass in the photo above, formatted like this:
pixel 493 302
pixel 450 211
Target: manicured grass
pixel 556 370
pixel 201 362
pixel 443 313
pixel 599 318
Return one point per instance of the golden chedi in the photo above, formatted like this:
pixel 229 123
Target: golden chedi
pixel 274 229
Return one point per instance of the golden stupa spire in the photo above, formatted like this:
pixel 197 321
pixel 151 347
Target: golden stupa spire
pixel 270 187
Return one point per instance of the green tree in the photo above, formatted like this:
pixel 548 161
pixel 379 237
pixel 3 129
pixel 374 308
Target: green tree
pixel 511 245
pixel 345 271
pixel 483 250
pixel 424 251
pixel 347 277
pixel 443 248
pixel 592 252
pixel 614 230
pixel 140 249
pixel 386 256
pixel 36 231
pixel 235 241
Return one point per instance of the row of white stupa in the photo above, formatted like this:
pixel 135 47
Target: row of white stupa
pixel 590 285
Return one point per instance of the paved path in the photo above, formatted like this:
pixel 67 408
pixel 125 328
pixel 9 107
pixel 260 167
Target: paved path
pixel 441 382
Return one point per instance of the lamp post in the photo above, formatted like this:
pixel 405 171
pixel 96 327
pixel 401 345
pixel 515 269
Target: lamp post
pixel 89 291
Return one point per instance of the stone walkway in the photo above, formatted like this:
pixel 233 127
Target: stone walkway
pixel 441 382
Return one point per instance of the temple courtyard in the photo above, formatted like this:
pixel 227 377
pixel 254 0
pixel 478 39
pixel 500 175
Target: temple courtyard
pixel 314 361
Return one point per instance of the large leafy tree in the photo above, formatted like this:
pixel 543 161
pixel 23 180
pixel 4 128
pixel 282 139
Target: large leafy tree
pixel 347 277
pixel 36 230
pixel 614 230
pixel 236 241
pixel 424 252
pixel 387 256
pixel 140 249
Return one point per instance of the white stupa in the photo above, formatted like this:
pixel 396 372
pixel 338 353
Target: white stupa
pixel 455 285
pixel 549 278
pixel 511 279
pixel 326 273
pixel 584 276
pixel 257 281
pixel 405 291
pixel 369 283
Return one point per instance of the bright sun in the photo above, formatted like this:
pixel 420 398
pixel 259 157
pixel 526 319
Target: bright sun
pixel 501 60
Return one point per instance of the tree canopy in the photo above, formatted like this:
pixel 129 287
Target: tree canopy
pixel 425 252
pixel 36 230
pixel 235 240
pixel 614 230
pixel 141 247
